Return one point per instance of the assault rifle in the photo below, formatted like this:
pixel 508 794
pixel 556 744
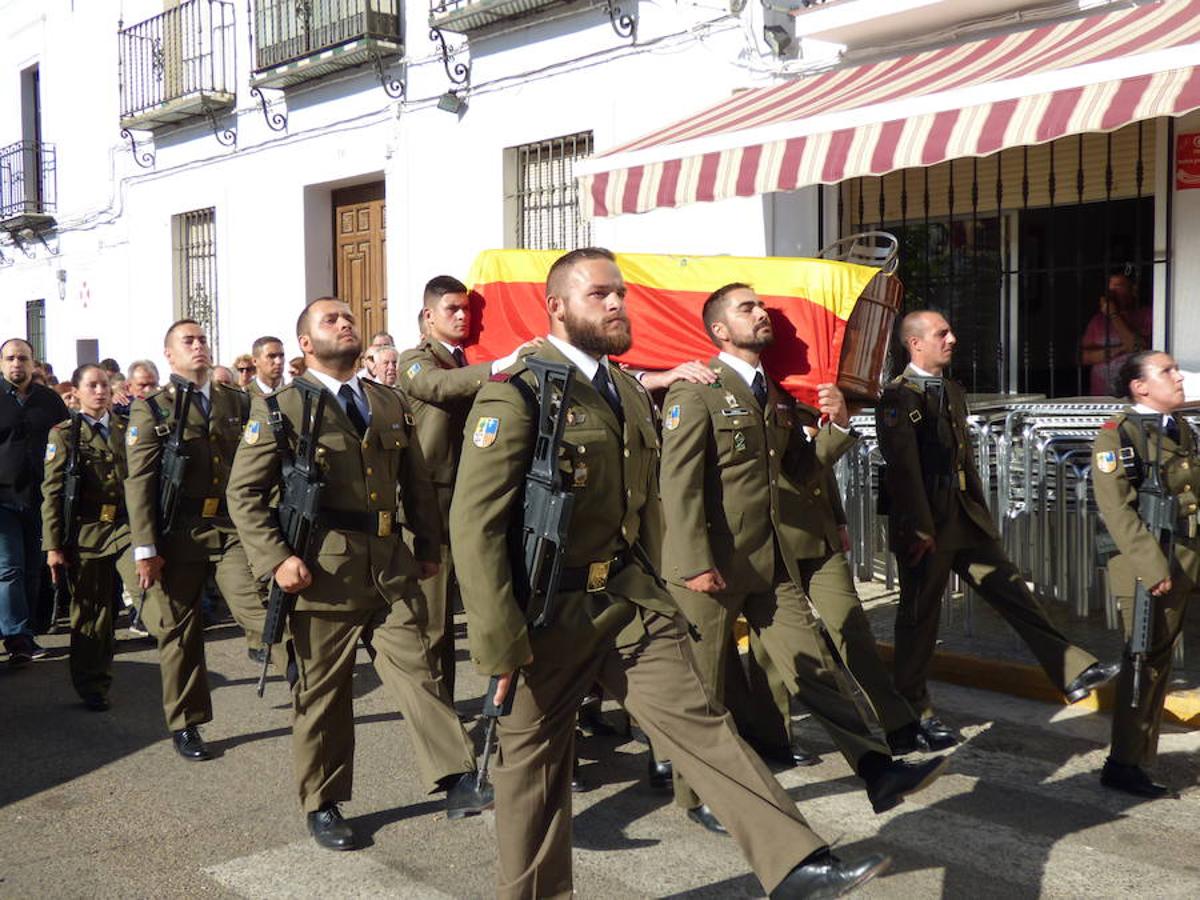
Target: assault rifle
pixel 299 505
pixel 545 522
pixel 174 461
pixel 1158 508
pixel 72 480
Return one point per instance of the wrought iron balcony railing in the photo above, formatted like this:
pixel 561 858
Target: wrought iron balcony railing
pixel 470 16
pixel 27 186
pixel 296 40
pixel 178 65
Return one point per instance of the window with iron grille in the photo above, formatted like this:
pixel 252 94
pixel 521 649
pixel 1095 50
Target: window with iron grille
pixel 35 327
pixel 542 200
pixel 195 247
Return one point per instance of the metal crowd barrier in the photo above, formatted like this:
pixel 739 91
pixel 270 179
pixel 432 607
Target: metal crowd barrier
pixel 1034 460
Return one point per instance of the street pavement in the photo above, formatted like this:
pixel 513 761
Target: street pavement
pixel 98 805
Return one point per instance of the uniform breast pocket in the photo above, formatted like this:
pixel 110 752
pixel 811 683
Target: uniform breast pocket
pixel 583 455
pixel 738 438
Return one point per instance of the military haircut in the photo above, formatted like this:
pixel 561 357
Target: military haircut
pixel 562 266
pixel 912 325
pixel 714 306
pixel 302 319
pixel 257 347
pixel 438 287
pixel 1131 370
pixel 176 324
pixel 80 371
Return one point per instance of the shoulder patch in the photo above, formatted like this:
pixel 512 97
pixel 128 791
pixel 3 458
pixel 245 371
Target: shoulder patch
pixel 412 370
pixel 51 451
pixel 131 436
pixel 252 432
pixel 1110 425
pixel 671 419
pixel 1106 461
pixel 486 430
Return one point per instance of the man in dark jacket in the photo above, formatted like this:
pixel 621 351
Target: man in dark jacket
pixel 27 413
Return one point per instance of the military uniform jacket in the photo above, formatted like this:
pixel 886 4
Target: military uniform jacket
pixel 1140 556
pixel 253 389
pixel 361 477
pixel 613 470
pixel 927 493
pixel 440 393
pixel 210 445
pixel 737 478
pixel 102 525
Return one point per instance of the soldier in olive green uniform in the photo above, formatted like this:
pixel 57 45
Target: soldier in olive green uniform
pixel 939 522
pixel 1125 450
pixel 362 579
pixel 268 356
pixel 95 546
pixel 614 623
pixel 173 567
pixel 746 481
pixel 440 387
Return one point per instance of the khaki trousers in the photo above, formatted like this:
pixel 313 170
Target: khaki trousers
pixel 782 624
pixel 980 560
pixel 325 645
pixel 656 680
pixel 93 584
pixel 1135 729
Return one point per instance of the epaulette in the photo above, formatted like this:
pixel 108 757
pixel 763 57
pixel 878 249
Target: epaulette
pixel 1110 425
pixel 500 377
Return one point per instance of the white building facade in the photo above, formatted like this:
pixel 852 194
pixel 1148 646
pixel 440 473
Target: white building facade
pixel 278 151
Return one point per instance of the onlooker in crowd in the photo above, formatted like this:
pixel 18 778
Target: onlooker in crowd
pixel 51 379
pixel 244 366
pixel 296 367
pixel 378 340
pixel 27 413
pixel 268 357
pixel 1118 329
pixel 39 373
pixel 66 390
pixel 386 362
pixel 111 366
pixel 224 375
pixel 142 380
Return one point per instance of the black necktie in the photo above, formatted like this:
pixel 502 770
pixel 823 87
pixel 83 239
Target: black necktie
pixel 202 404
pixel 353 413
pixel 602 383
pixel 102 431
pixel 1172 429
pixel 759 386
pixel 460 358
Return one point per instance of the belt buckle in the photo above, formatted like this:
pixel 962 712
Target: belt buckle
pixel 384 528
pixel 211 505
pixel 108 512
pixel 598 575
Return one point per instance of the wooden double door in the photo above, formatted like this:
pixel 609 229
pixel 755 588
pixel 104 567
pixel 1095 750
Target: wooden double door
pixel 360 245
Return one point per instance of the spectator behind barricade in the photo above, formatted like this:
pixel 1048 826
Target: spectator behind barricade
pixel 66 390
pixel 296 367
pixel 224 375
pixel 243 366
pixel 386 365
pixel 1118 329
pixel 27 413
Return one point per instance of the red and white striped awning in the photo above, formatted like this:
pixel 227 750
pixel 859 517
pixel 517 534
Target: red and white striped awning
pixel 1097 73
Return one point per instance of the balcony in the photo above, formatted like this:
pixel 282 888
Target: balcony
pixel 297 40
pixel 472 16
pixel 178 65
pixel 27 187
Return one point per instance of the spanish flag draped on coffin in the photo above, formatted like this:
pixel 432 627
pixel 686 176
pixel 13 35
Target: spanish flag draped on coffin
pixel 810 301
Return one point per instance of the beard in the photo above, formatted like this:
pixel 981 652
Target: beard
pixel 334 353
pixel 595 338
pixel 758 340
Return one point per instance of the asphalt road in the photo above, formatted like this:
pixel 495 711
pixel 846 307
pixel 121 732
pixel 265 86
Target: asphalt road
pixel 98 805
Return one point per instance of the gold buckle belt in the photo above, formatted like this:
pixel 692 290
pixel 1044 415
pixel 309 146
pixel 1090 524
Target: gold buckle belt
pixel 108 512
pixel 384 523
pixel 597 576
pixel 210 506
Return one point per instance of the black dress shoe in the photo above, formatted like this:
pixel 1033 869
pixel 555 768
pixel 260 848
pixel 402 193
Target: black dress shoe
pixel 1132 780
pixel 926 736
pixel 257 655
pixel 1091 678
pixel 823 875
pixel 95 702
pixel 702 815
pixel 659 773
pixel 591 722
pixel 579 784
pixel 895 780
pixel 791 757
pixel 330 830
pixel 466 798
pixel 190 745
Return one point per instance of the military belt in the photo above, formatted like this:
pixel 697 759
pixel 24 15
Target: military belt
pixel 202 508
pixel 594 576
pixel 103 512
pixel 379 522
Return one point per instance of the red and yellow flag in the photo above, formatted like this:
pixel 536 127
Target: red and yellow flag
pixel 809 301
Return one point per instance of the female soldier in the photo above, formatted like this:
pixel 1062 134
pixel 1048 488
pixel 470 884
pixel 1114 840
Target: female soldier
pixel 88 550
pixel 1125 452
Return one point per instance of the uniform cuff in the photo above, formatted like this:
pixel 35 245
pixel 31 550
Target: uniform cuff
pixel 146 551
